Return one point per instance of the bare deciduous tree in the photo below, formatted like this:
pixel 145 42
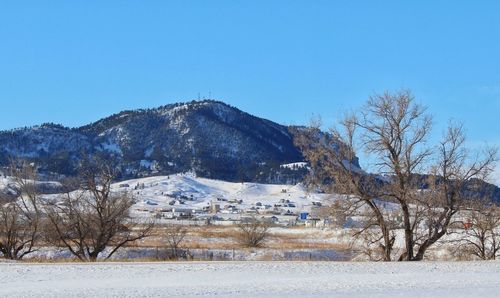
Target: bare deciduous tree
pixel 174 236
pixel 394 130
pixel 20 218
pixel 455 182
pixel 93 218
pixel 252 233
pixel 332 158
pixel 481 233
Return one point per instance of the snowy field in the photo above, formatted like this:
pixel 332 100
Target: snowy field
pixel 252 279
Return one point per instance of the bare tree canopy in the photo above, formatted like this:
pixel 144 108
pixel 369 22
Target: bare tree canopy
pixel 481 232
pixel 427 184
pixel 94 218
pixel 20 218
pixel 174 236
pixel 252 233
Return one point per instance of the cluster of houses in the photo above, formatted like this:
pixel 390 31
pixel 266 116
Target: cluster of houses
pixel 223 211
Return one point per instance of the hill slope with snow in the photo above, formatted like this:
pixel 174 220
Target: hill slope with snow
pixel 209 137
pixel 184 191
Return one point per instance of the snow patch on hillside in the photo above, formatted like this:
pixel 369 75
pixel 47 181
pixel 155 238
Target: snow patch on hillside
pixel 294 165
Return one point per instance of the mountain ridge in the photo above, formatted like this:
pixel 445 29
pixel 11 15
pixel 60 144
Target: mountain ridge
pixel 209 137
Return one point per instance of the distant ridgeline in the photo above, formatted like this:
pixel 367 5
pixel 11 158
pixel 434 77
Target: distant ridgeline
pixel 210 138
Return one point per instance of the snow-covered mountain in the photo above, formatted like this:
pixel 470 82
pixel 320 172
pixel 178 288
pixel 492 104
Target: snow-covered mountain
pixel 208 137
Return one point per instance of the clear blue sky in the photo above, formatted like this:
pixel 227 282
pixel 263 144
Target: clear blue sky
pixel 73 62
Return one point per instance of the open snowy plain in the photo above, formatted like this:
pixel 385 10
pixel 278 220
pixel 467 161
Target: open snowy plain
pixel 252 279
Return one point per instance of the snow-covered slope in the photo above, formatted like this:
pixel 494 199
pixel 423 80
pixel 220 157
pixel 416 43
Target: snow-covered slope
pixel 9 188
pixel 157 192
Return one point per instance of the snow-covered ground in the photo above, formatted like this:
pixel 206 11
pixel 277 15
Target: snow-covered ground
pixel 252 279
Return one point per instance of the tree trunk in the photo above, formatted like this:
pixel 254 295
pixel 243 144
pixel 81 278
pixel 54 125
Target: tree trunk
pixel 408 232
